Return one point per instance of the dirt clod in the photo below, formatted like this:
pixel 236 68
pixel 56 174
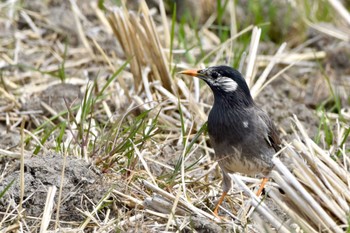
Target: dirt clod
pixel 81 185
pixel 57 97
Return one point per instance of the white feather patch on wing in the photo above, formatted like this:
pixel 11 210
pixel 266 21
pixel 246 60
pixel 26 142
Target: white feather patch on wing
pixel 245 124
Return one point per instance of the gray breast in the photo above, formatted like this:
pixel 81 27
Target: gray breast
pixel 240 143
pixel 246 159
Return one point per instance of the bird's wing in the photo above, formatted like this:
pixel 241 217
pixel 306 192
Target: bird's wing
pixel 270 130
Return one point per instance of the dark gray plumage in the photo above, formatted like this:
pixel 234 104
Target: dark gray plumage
pixel 243 136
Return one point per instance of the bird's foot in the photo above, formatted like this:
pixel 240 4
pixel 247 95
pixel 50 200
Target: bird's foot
pixel 262 185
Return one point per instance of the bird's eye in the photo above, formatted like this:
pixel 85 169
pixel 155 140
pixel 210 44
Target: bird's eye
pixel 214 75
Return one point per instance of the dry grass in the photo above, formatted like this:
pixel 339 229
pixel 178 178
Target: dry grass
pixel 144 126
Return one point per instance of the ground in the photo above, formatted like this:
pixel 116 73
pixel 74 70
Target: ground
pixel 89 91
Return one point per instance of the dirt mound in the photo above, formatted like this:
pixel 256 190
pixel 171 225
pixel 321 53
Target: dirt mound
pixel 82 185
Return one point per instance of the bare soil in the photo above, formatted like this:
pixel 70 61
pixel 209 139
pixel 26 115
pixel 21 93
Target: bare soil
pixel 84 183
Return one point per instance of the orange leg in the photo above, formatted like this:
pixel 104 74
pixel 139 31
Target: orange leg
pixel 219 203
pixel 262 185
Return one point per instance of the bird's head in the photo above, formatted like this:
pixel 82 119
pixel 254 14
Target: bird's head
pixel 225 82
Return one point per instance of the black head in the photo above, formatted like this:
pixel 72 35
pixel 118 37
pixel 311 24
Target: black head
pixel 226 83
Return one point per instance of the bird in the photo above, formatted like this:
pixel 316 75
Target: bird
pixel 243 136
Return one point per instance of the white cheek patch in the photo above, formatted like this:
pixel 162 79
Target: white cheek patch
pixel 227 84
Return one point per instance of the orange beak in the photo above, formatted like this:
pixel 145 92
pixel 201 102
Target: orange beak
pixel 190 72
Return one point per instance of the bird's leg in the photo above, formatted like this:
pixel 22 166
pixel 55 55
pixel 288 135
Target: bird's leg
pixel 219 203
pixel 262 185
